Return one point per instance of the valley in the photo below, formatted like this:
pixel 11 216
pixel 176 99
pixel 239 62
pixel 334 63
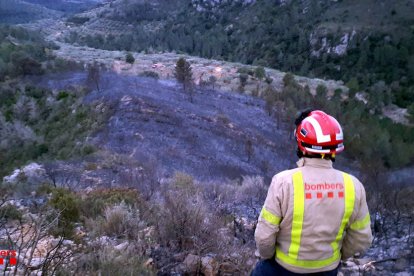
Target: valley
pixel 120 170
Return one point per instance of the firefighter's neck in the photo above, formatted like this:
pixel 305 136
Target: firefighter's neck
pixel 314 162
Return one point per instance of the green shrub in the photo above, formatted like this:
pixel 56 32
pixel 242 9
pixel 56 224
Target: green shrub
pixel 81 115
pixel 34 92
pixel 106 261
pixel 117 219
pixel 44 189
pixel 134 266
pixel 10 212
pixel 183 181
pixel 95 202
pixel 129 58
pixel 353 86
pixel 7 97
pixel 8 115
pixel 150 74
pixel 245 70
pixel 40 150
pixel 88 149
pixel 337 94
pixel 62 95
pixel 260 72
pixel 403 97
pixel 185 222
pixel 66 204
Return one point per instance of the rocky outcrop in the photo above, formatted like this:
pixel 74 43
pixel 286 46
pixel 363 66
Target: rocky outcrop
pixel 321 44
pixel 32 174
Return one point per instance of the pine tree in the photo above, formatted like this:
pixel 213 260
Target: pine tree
pixel 129 58
pixel 184 75
pixel 260 73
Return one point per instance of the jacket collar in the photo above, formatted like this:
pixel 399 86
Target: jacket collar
pixel 314 162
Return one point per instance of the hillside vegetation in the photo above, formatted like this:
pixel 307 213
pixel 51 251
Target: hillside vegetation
pixel 359 42
pixel 22 52
pixel 33 120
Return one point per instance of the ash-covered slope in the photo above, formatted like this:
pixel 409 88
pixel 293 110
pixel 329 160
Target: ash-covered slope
pixel 220 135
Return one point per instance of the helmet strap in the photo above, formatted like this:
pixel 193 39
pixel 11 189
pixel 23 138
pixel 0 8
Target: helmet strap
pixel 299 153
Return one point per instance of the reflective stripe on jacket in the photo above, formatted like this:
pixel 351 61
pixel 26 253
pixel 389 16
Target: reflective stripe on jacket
pixel 312 216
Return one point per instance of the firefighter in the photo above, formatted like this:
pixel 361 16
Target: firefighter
pixel 314 215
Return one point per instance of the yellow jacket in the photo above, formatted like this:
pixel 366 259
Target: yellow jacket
pixel 312 217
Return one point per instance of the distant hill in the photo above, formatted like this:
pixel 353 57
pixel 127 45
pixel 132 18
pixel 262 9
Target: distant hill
pixel 17 11
pixel 24 11
pixel 359 42
pixel 67 6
